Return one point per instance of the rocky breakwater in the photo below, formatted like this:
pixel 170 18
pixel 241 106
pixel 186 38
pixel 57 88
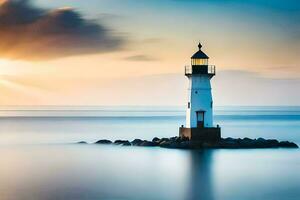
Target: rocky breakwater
pixel 184 143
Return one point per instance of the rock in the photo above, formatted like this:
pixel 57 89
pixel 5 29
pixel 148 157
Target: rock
pixel 228 139
pixel 184 139
pixel 228 143
pixel 148 144
pixel 239 140
pixel 287 144
pixel 156 140
pixel 121 142
pixel 261 140
pixel 163 140
pixel 103 142
pixel 247 143
pixel 181 145
pixel 82 142
pixel 126 143
pixel 263 143
pixel 177 139
pixel 273 143
pixel 247 140
pixel 165 144
pixel 177 144
pixel 185 143
pixel 173 145
pixel 137 142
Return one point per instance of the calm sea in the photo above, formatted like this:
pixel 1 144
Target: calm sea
pixel 39 159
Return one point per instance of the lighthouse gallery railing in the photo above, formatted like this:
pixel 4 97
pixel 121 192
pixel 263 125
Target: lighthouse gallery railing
pixel 200 69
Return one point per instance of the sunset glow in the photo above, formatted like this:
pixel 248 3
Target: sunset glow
pixel 98 44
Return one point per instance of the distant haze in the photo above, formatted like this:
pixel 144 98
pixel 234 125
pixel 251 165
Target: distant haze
pixel 229 88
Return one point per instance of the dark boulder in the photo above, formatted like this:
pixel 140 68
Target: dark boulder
pixel 228 140
pixel 156 140
pixel 183 139
pixel 165 143
pixel 177 144
pixel 177 139
pixel 163 140
pixel 247 143
pixel 126 143
pixel 263 143
pixel 121 142
pixel 137 142
pixel 228 143
pixel 185 143
pixel 287 144
pixel 148 144
pixel 248 140
pixel 261 140
pixel 82 142
pixel 103 142
pixel 273 143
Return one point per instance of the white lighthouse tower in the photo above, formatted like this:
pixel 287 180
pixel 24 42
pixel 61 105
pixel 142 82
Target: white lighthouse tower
pixel 199 113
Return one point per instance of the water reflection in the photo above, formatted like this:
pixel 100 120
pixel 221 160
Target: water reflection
pixel 200 177
pixel 85 172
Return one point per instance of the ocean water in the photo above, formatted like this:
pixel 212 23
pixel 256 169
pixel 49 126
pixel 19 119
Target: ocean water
pixel 40 160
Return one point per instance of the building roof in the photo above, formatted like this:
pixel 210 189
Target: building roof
pixel 199 54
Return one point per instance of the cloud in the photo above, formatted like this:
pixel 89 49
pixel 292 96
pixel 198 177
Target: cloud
pixel 31 33
pixel 283 68
pixel 140 58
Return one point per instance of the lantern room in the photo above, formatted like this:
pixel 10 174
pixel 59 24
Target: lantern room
pixel 199 64
pixel 199 58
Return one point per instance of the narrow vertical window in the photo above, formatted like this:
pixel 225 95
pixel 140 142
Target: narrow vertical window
pixel 189 105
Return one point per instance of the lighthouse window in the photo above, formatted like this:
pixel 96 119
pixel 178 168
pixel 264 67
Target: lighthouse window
pixel 196 92
pixel 189 104
pixel 199 61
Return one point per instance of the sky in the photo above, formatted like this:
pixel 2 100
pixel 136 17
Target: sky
pixel 133 52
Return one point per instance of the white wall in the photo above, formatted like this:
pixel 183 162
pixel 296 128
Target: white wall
pixel 200 97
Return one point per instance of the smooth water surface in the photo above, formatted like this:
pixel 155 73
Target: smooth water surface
pixel 39 161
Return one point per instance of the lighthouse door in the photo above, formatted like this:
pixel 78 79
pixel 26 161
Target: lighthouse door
pixel 200 119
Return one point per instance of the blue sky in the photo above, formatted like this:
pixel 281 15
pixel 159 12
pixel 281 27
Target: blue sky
pixel 269 30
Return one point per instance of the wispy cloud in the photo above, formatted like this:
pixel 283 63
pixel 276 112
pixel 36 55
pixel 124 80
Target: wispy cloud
pixel 31 33
pixel 283 68
pixel 140 58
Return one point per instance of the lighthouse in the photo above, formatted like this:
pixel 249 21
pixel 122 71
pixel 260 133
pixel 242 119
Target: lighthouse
pixel 199 111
